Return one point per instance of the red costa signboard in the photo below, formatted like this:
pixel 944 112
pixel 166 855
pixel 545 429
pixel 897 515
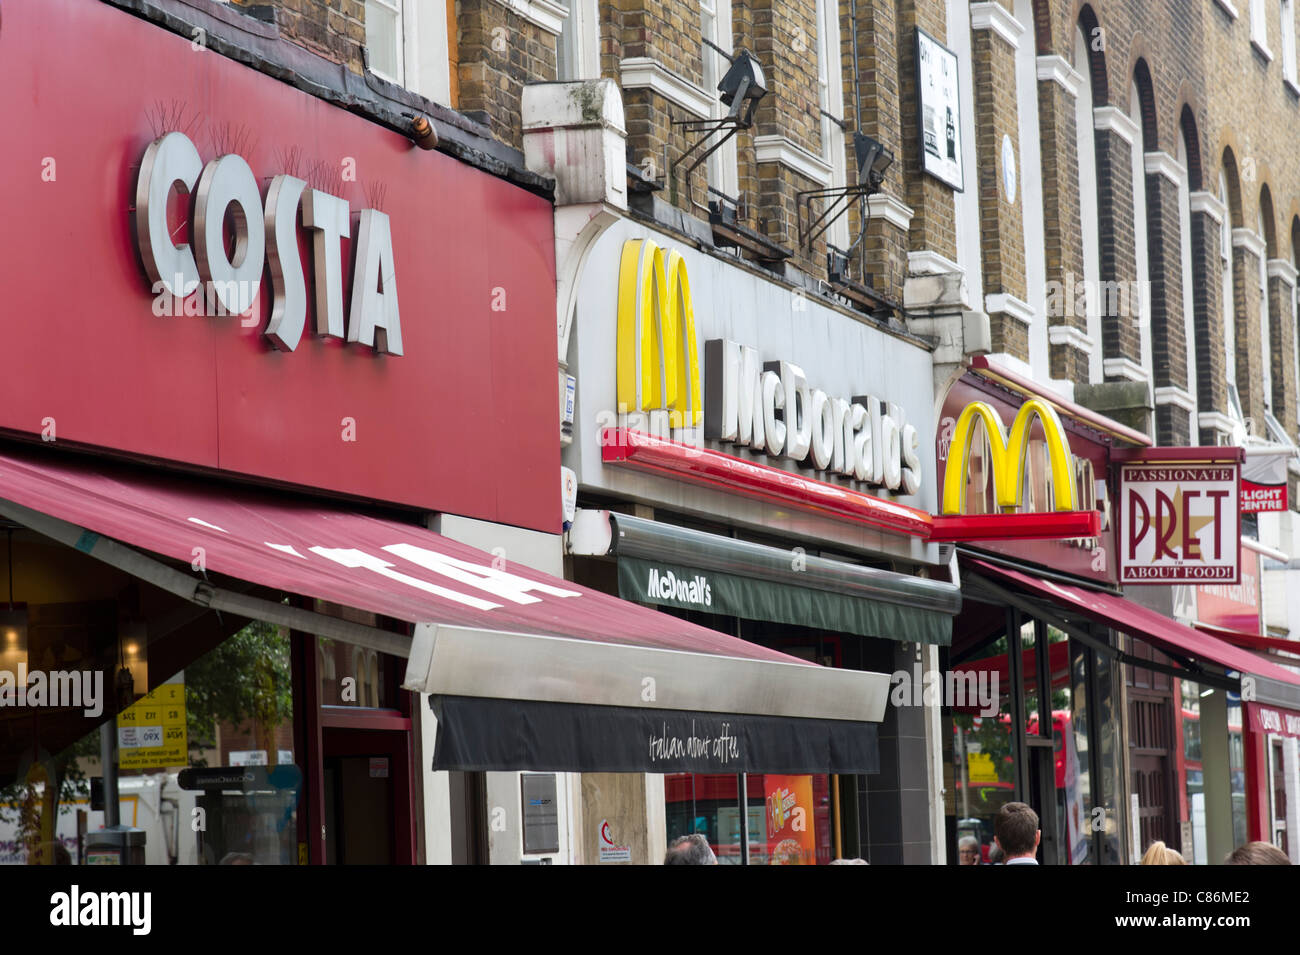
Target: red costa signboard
pixel 412 410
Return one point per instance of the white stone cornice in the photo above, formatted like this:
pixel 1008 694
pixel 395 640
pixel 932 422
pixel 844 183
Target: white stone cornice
pixel 892 210
pixel 1163 164
pixel 1215 421
pixel 641 72
pixel 994 16
pixel 929 262
pixel 1069 335
pixel 780 150
pixel 1001 302
pixel 1112 119
pixel 547 14
pixel 1250 240
pixel 1282 269
pixel 1124 368
pixel 1208 203
pixel 1057 69
pixel 1173 395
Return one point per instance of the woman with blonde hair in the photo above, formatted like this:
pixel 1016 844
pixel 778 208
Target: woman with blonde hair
pixel 1159 854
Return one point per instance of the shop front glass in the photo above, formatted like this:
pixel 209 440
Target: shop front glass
pixel 1237 771
pixel 789 816
pixel 206 768
pixel 1066 768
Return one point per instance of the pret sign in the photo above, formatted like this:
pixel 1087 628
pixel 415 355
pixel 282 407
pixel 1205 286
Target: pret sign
pixel 1179 522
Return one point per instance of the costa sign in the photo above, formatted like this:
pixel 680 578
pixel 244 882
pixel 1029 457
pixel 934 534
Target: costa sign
pixel 767 406
pixel 225 188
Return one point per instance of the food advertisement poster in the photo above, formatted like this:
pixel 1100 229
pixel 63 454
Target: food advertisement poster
pixel 790 820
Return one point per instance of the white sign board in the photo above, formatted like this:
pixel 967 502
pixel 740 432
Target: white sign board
pixel 940 106
pixel 1180 523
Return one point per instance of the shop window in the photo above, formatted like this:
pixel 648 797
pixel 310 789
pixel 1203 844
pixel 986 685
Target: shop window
pixel 1277 796
pixel 230 708
pixel 1237 772
pixel 788 816
pixel 408 44
pixel 1193 772
pixel 1058 756
pixel 352 676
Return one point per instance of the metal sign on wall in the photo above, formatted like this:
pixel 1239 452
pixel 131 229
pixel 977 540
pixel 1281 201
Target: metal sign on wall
pixel 1180 522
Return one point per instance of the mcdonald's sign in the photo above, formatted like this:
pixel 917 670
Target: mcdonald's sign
pixel 658 356
pixel 1009 456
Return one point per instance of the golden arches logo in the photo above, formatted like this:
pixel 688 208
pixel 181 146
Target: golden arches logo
pixel 658 357
pixel 1008 455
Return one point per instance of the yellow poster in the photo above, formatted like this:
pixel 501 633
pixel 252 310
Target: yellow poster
pixel 790 834
pixel 151 732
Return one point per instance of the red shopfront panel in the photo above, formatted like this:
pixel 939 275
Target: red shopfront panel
pixel 465 421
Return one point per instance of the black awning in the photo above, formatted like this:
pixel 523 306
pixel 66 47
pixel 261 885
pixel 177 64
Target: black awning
pixel 487 735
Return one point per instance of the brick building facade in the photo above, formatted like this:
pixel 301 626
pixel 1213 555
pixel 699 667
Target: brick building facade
pixel 1127 233
pixel 1158 190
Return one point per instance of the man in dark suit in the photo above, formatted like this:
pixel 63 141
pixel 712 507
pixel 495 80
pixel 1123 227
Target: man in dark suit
pixel 1016 831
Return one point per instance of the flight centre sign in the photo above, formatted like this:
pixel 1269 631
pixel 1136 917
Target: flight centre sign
pixel 1180 523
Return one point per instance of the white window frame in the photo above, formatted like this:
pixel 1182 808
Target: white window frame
pixel 830 98
pixel 1259 27
pixel 578 47
pixel 1229 292
pixel 1185 257
pixel 1265 340
pixel 423 54
pixel 1287 22
pixel 1089 215
pixel 715 26
pixel 1140 231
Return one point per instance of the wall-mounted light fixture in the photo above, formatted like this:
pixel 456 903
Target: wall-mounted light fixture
pixel 874 159
pixel 741 88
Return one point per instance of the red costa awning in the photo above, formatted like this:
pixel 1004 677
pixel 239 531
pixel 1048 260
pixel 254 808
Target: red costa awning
pixel 485 626
pixel 1139 621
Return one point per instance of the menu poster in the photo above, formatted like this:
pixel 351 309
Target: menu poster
pixel 790 830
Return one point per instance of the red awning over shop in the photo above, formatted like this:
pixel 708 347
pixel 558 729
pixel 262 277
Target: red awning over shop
pixel 485 626
pixel 1140 621
pixel 1253 641
pixel 399 570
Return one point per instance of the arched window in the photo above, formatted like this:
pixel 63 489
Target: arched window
pixel 1229 295
pixel 1087 151
pixel 1185 158
pixel 1265 228
pixel 1140 225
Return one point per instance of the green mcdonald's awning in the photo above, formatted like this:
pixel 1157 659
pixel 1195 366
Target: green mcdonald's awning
pixel 679 567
